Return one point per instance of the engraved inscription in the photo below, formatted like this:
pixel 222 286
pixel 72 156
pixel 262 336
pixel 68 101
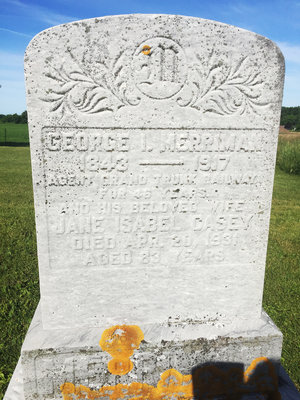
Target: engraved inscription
pixel 157 198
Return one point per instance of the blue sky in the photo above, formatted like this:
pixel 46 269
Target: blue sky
pixel 20 20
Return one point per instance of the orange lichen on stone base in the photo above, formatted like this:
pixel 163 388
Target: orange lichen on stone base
pixel 172 385
pixel 210 380
pixel 120 341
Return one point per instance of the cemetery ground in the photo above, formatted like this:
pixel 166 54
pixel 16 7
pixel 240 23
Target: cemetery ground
pixel 19 284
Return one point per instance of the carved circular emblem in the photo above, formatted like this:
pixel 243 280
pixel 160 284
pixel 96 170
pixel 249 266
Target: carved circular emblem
pixel 159 68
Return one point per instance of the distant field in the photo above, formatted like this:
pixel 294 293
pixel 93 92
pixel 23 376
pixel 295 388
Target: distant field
pixel 290 135
pixel 19 287
pixel 11 133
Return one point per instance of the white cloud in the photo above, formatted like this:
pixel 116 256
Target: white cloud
pixel 291 95
pixel 241 8
pixel 15 32
pixel 12 97
pixel 11 75
pixel 12 91
pixel 42 13
pixel 11 60
pixel 291 52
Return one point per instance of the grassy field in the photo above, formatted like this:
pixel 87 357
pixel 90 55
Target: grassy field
pixel 19 275
pixel 282 280
pixel 13 133
pixel 288 154
pixel 19 290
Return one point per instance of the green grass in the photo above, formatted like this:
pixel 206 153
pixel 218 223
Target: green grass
pixel 19 275
pixel 282 281
pixel 19 290
pixel 288 155
pixel 15 133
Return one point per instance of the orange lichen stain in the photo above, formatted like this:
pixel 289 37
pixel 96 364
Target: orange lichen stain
pixel 120 341
pixel 172 385
pixel 146 50
pixel 209 381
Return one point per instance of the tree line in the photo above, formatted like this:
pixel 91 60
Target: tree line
pixel 15 118
pixel 290 118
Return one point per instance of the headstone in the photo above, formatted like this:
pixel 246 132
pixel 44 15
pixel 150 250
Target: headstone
pixel 153 144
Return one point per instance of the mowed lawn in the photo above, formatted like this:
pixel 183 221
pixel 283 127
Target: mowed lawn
pixel 19 273
pixel 13 133
pixel 282 281
pixel 19 287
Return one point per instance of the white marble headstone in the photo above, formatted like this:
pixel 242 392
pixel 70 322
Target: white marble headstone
pixel 153 142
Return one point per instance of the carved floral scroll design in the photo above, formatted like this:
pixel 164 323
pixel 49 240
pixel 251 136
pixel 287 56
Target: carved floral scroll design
pixel 215 84
pixel 91 87
pixel 222 87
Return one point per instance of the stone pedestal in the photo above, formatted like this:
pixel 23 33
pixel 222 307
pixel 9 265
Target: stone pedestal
pixel 51 358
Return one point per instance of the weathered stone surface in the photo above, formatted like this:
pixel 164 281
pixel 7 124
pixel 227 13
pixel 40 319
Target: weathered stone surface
pixel 52 357
pixel 79 359
pixel 153 142
pixel 285 385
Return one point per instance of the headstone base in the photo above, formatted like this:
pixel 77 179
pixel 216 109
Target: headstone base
pixel 51 358
pixel 286 387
